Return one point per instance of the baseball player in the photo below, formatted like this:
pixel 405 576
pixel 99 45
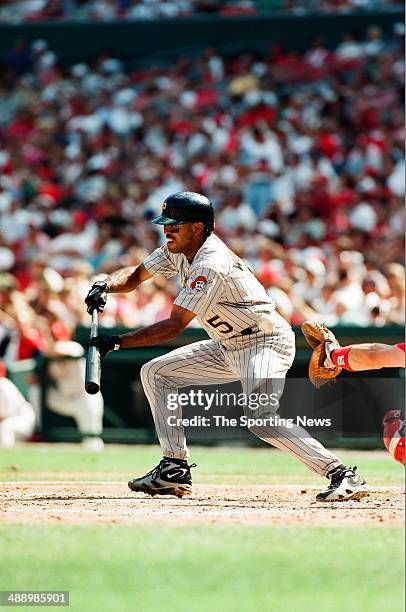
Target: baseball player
pixel 249 341
pixel 329 358
pixel 67 396
pixel 17 416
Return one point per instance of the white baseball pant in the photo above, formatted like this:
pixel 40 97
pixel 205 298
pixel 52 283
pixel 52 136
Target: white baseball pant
pixel 69 398
pixel 250 359
pixel 19 427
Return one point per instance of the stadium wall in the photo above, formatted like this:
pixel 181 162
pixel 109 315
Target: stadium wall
pixel 130 40
pixel 128 418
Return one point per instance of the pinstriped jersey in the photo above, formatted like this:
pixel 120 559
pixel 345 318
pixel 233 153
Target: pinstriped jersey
pixel 217 286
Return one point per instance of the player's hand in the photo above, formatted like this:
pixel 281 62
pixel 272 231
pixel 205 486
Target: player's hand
pixel 106 344
pixel 97 297
pixel 317 335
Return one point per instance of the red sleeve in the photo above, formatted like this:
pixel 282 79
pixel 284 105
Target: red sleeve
pixel 30 344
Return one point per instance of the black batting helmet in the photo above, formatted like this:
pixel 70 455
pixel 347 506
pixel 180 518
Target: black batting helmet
pixel 186 207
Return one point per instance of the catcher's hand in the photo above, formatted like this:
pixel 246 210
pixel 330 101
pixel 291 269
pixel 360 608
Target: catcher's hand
pixel 317 335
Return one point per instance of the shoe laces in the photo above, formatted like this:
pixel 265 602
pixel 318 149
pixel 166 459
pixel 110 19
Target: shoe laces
pixel 157 470
pixel 339 473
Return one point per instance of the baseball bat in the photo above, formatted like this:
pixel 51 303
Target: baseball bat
pixel 92 379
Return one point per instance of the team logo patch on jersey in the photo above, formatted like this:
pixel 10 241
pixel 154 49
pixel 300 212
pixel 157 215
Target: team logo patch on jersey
pixel 199 283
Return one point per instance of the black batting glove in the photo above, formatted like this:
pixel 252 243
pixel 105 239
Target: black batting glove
pixel 105 344
pixel 97 297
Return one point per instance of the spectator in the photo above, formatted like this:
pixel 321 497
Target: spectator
pixel 304 170
pixel 105 10
pixel 67 395
pixel 17 416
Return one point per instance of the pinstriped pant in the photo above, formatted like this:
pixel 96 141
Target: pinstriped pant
pixel 261 356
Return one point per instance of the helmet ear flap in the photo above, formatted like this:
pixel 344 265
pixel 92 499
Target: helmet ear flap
pixel 208 228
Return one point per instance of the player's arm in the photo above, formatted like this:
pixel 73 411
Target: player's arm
pixel 148 336
pixel 368 356
pixel 127 279
pixel 203 290
pixel 122 281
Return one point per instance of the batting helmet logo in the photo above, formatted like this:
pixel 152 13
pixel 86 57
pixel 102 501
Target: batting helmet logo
pixel 199 283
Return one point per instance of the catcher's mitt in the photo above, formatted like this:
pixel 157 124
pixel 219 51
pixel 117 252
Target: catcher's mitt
pixel 317 335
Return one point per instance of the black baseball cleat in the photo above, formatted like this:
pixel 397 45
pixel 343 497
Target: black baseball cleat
pixel 169 477
pixel 345 484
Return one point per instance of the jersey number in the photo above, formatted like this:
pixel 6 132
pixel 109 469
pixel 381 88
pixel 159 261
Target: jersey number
pixel 214 322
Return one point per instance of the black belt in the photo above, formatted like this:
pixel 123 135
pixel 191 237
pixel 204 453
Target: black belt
pixel 245 332
pixel 249 330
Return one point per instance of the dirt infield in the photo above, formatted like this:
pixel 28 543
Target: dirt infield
pixel 113 503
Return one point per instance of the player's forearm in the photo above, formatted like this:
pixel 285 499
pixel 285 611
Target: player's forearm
pixel 375 356
pixel 153 334
pixel 127 279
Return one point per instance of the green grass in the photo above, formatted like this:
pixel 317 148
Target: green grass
pixel 192 569
pixel 215 465
pixel 214 568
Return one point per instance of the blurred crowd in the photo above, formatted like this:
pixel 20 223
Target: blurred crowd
pixel 301 155
pixel 16 11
